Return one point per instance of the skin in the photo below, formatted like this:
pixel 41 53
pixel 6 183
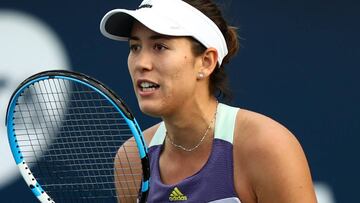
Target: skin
pixel 269 163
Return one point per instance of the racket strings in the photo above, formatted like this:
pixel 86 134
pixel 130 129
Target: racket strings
pixel 69 135
pixel 34 145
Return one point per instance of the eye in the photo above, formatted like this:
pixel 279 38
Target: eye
pixel 134 47
pixel 159 47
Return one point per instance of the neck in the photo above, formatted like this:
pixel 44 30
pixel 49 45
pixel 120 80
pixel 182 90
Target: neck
pixel 192 126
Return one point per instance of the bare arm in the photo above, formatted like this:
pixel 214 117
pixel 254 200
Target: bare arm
pixel 127 172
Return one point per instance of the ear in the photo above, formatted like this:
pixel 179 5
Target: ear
pixel 209 61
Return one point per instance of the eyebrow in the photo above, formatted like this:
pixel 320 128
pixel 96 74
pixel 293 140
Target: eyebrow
pixel 152 37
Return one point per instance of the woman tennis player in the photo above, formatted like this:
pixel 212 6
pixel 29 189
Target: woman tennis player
pixel 203 150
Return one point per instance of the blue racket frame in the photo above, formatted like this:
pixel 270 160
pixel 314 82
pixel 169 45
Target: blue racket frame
pixel 97 86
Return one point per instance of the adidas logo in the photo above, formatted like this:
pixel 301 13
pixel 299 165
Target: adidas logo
pixel 176 195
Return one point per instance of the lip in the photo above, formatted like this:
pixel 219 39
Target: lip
pixel 145 93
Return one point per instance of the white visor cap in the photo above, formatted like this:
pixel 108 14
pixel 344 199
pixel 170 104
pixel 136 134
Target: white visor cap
pixel 167 17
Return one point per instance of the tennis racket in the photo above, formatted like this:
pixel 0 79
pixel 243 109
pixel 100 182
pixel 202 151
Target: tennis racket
pixel 75 140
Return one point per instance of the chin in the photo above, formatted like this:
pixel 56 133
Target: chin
pixel 150 109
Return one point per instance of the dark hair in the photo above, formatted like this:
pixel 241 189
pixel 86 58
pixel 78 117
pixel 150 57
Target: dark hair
pixel 218 79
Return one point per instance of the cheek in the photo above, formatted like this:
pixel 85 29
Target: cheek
pixel 175 72
pixel 181 74
pixel 186 69
pixel 130 62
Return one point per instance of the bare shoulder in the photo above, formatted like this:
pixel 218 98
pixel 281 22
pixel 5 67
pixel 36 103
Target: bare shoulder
pixel 150 132
pixel 128 181
pixel 260 133
pixel 271 159
pixel 148 135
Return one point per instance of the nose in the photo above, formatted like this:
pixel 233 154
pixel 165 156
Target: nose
pixel 143 61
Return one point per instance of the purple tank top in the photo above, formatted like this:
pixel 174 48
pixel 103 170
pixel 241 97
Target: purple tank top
pixel 214 182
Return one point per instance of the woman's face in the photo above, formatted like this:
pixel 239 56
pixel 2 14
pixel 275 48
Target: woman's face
pixel 163 70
